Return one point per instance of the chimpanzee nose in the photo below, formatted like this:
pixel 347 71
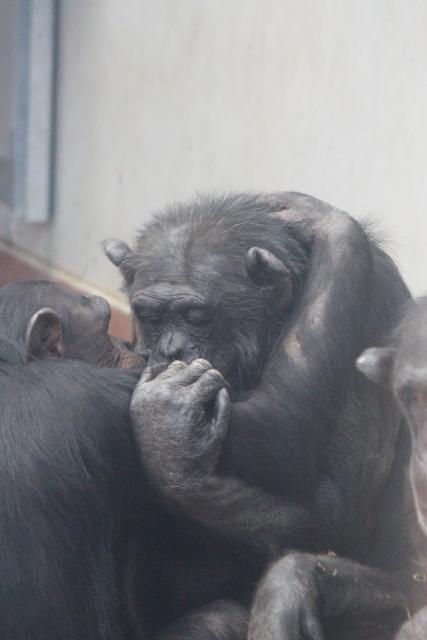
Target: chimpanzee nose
pixel 172 345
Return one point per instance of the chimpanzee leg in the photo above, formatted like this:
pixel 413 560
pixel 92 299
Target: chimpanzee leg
pixel 220 620
pixel 326 598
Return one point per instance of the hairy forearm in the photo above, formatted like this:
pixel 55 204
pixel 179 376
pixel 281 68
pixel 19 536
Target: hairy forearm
pixel 240 515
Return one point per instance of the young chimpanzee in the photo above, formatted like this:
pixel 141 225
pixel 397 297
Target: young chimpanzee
pixel 303 593
pixel 67 464
pixel 403 368
pixel 72 492
pixel 280 294
pixel 54 321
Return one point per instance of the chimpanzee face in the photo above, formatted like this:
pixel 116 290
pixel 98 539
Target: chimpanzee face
pixel 177 322
pixel 220 310
pixel 409 376
pixel 214 279
pixel 403 368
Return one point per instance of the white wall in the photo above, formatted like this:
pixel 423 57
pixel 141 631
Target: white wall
pixel 160 98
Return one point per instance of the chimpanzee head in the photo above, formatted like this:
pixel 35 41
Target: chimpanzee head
pixel 51 321
pixel 403 368
pixel 213 279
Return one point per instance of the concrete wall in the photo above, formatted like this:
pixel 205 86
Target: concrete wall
pixel 160 98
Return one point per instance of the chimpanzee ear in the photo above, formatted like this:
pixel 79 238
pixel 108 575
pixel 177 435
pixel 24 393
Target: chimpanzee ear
pixel 43 336
pixel 266 270
pixel 377 364
pixel 119 253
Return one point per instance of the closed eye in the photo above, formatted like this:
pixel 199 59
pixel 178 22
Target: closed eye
pixel 151 321
pixel 198 317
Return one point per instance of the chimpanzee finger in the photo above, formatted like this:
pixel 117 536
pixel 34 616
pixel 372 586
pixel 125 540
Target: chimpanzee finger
pixel 194 370
pixel 207 386
pixel 147 375
pixel 154 370
pixel 221 412
pixel 173 369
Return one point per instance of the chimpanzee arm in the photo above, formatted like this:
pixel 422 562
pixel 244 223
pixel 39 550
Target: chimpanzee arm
pixel 308 596
pixel 293 402
pixel 180 443
pixel 284 425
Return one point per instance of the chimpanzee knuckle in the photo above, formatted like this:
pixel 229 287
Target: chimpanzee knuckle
pixel 177 365
pixel 217 375
pixel 213 379
pixel 200 364
pixel 173 399
pixel 152 392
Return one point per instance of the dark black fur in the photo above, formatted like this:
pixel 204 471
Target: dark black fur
pixel 322 596
pixel 65 454
pixel 403 368
pixel 73 496
pixel 292 291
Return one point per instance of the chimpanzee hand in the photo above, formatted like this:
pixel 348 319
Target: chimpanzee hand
pixel 304 596
pixel 180 420
pixel 285 606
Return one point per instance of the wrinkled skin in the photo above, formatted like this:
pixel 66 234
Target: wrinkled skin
pixel 80 321
pixel 188 390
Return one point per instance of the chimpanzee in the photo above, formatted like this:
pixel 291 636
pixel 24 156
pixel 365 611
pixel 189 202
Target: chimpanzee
pixel 307 590
pixel 403 368
pixel 279 293
pixel 72 494
pixel 66 458
pixel 59 322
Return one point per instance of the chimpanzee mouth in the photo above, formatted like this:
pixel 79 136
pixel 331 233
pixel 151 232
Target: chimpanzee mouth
pixel 124 357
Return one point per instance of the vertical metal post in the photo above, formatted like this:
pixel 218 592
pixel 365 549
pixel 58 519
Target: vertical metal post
pixel 34 129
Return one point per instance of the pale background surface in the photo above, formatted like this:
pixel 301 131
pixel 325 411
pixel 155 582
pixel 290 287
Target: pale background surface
pixel 158 99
